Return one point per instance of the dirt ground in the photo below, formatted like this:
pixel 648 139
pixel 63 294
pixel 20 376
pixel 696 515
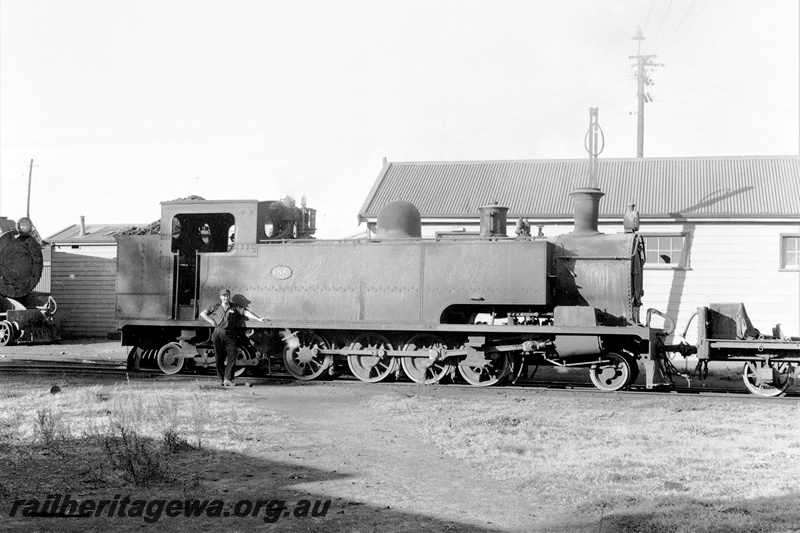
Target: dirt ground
pixel 376 470
pixel 377 475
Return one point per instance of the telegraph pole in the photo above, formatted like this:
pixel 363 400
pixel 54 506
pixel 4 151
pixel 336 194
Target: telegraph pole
pixel 642 79
pixel 30 176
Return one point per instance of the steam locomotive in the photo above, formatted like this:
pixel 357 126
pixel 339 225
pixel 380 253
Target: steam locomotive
pixel 483 309
pixel 21 263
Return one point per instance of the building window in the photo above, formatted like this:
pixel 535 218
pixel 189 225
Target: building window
pixel 790 252
pixel 666 251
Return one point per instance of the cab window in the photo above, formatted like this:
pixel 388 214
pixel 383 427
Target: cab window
pixel 202 233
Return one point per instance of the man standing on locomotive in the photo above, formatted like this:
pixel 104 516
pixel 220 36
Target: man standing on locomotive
pixel 226 317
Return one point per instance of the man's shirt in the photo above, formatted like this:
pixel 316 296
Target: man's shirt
pixel 226 319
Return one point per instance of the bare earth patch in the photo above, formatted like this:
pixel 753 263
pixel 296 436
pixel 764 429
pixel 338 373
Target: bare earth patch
pixel 400 458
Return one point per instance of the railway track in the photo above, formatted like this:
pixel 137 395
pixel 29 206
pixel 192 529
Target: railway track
pixel 582 388
pixel 57 368
pixel 19 368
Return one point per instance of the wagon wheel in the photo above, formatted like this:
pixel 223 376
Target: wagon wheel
pixel 425 369
pixel 375 367
pixel 611 375
pixel 243 354
pixel 781 378
pixel 167 358
pixel 302 358
pixel 487 373
pixel 6 333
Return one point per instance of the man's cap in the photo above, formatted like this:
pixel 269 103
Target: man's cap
pixel 225 291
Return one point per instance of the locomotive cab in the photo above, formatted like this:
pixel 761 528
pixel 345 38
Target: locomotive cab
pixel 161 274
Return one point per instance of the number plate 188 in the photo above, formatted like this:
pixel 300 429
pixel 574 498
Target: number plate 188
pixel 281 272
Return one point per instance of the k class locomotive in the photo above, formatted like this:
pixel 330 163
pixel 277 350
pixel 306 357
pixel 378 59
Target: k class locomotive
pixel 486 308
pixel 396 302
pixel 21 263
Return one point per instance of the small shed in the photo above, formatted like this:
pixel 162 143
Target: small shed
pixel 83 273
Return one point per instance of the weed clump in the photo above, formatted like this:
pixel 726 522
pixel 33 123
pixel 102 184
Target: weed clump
pixel 139 459
pixel 174 443
pixel 10 428
pixel 51 430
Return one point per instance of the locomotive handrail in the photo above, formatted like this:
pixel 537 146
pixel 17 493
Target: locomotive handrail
pixel 596 257
pixel 669 323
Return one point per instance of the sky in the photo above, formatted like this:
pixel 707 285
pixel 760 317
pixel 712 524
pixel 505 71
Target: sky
pixel 124 104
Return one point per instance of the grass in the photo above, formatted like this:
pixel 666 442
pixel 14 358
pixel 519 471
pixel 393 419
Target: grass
pixel 94 442
pixel 136 428
pixel 613 463
pixel 664 464
pixel 198 416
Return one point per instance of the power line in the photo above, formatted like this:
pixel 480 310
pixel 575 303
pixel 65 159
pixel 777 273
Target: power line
pixel 663 20
pixel 679 23
pixel 666 46
pixel 649 13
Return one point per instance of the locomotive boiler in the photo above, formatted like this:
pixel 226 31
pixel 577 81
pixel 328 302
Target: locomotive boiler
pixel 21 263
pixel 483 309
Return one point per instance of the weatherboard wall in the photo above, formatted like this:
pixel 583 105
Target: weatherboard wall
pixel 84 288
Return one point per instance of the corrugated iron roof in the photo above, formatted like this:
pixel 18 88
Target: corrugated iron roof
pixel 709 187
pixel 95 234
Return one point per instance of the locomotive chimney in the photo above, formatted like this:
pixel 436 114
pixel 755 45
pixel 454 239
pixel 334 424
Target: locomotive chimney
pixel 586 207
pixel 83 227
pixel 493 220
